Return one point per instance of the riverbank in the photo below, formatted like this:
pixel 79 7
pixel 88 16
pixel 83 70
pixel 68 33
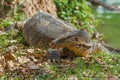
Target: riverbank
pixel 110 26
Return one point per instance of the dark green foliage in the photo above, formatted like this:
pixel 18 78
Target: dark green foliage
pixel 76 12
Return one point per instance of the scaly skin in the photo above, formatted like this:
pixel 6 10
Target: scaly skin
pixel 78 42
pixel 43 29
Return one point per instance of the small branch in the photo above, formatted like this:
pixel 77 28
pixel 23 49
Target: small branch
pixel 111 49
pixel 101 3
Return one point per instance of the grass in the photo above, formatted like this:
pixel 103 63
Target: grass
pixel 101 66
pixel 111 28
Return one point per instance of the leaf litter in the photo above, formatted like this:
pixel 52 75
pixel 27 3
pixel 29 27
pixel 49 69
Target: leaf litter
pixel 20 61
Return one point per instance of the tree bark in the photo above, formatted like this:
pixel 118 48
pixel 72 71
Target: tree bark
pixel 30 7
pixel 33 6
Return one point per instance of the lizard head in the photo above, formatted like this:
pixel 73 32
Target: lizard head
pixel 76 41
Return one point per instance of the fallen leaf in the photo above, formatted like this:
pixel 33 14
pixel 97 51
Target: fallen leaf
pixel 2 33
pixel 40 55
pixel 0 49
pixel 13 41
pixel 12 65
pixel 72 77
pixel 32 65
pixel 8 57
pixel 1 74
pixel 1 68
pixel 23 59
pixel 112 78
pixel 12 48
pixel 30 50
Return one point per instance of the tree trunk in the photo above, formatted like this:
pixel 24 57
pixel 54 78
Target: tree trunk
pixel 33 6
pixel 30 7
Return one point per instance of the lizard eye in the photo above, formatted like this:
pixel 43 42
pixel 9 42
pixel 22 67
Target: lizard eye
pixel 76 39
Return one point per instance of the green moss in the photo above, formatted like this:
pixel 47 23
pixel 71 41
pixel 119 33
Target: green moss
pixel 76 12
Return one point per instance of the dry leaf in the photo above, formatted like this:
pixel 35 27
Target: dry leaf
pixel 9 56
pixel 1 68
pixel 13 41
pixel 40 55
pixel 2 33
pixel 72 77
pixel 1 74
pixel 23 59
pixel 32 65
pixel 30 50
pixel 112 78
pixel 12 65
pixel 12 48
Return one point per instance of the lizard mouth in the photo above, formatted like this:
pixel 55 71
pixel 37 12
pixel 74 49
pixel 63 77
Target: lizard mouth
pixel 79 49
pixel 78 42
pixel 70 44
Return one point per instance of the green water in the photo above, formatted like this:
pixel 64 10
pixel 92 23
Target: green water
pixel 110 27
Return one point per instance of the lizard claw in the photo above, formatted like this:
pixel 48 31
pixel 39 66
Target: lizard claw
pixel 53 55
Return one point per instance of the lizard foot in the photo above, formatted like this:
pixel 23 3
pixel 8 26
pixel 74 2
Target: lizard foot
pixel 53 55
